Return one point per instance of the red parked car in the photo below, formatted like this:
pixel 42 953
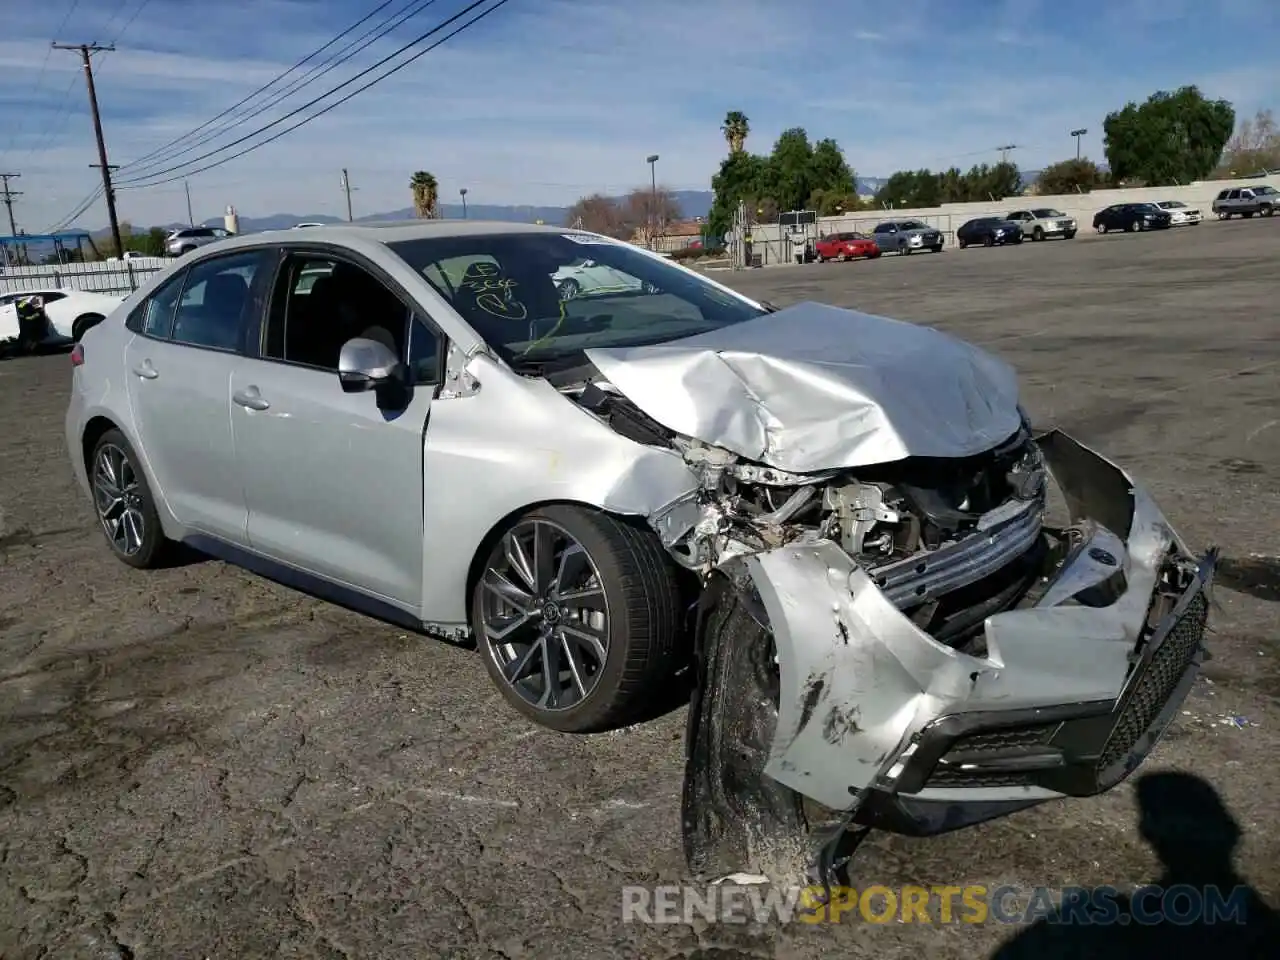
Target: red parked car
pixel 846 246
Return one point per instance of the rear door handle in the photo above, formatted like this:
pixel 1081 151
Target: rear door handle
pixel 146 371
pixel 250 398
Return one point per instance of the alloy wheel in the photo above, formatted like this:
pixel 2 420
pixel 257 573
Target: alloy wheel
pixel 117 495
pixel 545 615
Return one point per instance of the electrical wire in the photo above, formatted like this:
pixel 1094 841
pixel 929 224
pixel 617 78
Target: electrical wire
pixel 311 76
pixel 305 120
pixel 154 155
pixel 44 64
pixel 80 209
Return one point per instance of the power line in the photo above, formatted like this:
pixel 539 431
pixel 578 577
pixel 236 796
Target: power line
pixel 86 51
pixel 154 155
pixel 80 209
pixel 305 120
pixel 7 195
pixel 17 127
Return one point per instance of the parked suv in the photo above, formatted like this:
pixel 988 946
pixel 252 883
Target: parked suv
pixel 188 238
pixel 1042 222
pixel 1246 201
pixel 907 236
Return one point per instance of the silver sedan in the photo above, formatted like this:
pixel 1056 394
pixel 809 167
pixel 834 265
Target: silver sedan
pixel 838 518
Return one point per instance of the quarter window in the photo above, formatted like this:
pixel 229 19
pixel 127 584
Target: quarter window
pixel 154 316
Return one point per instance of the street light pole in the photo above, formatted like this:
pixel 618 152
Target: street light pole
pixel 652 160
pixel 1078 134
pixel 463 191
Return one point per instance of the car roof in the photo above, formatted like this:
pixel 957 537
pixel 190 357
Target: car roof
pixel 393 231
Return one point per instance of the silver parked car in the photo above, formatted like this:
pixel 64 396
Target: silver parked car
pixel 840 518
pixel 187 239
pixel 907 236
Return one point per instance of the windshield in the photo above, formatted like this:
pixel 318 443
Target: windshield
pixel 1260 191
pixel 1044 212
pixel 1171 204
pixel 547 296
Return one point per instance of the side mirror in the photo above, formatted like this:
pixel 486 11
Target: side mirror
pixel 367 365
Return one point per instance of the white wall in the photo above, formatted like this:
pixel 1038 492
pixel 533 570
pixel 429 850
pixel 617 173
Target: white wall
pixel 117 276
pixel 768 237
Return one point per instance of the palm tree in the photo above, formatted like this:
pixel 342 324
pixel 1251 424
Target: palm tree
pixel 735 130
pixel 426 192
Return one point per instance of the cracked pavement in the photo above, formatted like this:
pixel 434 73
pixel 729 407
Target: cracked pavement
pixel 196 762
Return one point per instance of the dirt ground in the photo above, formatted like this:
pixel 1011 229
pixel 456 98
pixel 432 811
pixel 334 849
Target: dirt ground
pixel 199 763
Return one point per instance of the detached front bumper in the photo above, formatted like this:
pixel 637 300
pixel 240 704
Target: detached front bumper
pixel 1075 687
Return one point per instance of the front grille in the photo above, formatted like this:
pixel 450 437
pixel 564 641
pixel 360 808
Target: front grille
pixel 1011 738
pixel 958 777
pixel 1152 690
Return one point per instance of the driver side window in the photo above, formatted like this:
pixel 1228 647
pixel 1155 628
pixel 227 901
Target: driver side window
pixel 319 303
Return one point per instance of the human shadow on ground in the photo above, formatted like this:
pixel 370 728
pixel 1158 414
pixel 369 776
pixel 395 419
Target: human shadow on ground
pixel 1199 906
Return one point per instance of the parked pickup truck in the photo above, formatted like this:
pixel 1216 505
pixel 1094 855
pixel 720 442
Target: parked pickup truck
pixel 1246 201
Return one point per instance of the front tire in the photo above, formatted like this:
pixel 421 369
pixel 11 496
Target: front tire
pixel 1135 227
pixel 83 323
pixel 569 289
pixel 1069 235
pixel 1267 210
pixel 988 241
pixel 577 616
pixel 1037 234
pixel 123 501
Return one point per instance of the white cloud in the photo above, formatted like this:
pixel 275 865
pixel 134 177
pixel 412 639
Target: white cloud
pixel 549 99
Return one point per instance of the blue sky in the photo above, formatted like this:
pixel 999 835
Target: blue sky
pixel 550 99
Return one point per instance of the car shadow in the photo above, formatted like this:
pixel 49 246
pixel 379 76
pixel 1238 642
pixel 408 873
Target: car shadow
pixel 1199 906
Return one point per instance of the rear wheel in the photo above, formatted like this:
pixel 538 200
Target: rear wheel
pixel 961 243
pixel 124 504
pixel 1100 227
pixel 576 614
pixel 1135 227
pixel 83 323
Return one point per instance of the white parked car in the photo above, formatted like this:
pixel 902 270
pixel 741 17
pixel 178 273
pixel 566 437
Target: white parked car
pixel 70 312
pixel 1181 215
pixel 1040 223
pixel 586 277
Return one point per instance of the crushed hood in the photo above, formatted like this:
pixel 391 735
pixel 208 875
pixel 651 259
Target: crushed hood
pixel 814 387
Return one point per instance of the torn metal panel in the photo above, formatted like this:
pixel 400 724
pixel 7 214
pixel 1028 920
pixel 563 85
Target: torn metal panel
pixel 814 387
pixel 858 678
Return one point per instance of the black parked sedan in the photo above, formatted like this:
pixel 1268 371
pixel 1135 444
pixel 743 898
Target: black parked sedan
pixel 988 231
pixel 1132 217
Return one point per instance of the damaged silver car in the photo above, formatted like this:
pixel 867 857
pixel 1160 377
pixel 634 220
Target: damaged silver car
pixel 842 521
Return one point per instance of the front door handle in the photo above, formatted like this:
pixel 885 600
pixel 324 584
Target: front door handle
pixel 146 371
pixel 250 397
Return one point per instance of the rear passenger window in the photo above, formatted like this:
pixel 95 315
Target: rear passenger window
pixel 215 301
pixel 154 316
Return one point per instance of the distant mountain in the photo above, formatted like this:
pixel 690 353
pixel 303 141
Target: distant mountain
pixel 693 203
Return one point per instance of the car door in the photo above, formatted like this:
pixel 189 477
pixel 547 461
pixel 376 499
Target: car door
pixel 333 480
pixel 188 338
pixel 887 236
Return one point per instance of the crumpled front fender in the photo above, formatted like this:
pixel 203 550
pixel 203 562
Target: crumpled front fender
pixel 858 679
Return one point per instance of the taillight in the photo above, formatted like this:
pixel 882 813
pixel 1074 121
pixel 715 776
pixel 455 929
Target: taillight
pixel 77 355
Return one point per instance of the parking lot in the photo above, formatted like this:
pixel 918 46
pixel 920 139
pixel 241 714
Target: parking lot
pixel 198 763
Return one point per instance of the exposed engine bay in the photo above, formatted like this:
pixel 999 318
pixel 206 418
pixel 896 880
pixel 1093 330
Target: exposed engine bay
pixel 923 528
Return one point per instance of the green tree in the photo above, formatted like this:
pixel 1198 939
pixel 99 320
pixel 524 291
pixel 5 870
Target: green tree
pixel 426 195
pixel 1170 138
pixel 1070 176
pixel 741 179
pixel 735 129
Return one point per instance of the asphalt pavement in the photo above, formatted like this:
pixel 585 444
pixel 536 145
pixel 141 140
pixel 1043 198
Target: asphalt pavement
pixel 196 762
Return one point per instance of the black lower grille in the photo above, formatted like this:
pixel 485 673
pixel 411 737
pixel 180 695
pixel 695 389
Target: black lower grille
pixel 1152 690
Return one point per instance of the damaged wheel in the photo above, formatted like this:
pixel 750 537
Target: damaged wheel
pixel 577 615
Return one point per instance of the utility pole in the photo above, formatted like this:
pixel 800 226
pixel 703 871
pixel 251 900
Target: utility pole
pixel 7 195
pixel 346 187
pixel 1078 134
pixel 1004 151
pixel 86 51
pixel 191 217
